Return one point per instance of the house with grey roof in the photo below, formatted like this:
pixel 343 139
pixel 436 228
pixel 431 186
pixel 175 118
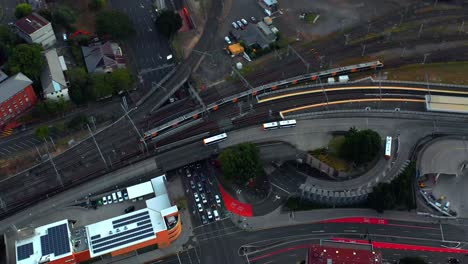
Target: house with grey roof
pixel 103 57
pixel 53 80
pixel 34 28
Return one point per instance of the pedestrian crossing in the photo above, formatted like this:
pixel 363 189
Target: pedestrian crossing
pixel 7 132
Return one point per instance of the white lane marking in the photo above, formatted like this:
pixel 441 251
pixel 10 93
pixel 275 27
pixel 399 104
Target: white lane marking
pixel 280 188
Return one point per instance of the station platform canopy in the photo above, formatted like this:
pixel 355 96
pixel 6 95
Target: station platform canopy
pixel 451 104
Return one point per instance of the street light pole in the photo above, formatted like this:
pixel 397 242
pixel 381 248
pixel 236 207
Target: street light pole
pixel 95 142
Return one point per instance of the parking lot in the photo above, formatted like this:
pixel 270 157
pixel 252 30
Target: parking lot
pixel 201 187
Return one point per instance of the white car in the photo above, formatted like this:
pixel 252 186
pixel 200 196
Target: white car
pixel 210 215
pixel 228 41
pixel 188 173
pixel 200 208
pixel 216 215
pixel 218 200
pixel 104 200
pixel 240 24
pixel 109 199
pixel 234 25
pixel 244 21
pixel 203 197
pixel 125 194
pixel 197 198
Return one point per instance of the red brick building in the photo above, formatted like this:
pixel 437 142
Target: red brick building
pixel 16 96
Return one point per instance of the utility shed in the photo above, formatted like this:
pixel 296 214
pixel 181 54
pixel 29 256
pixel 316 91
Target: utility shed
pixel 452 104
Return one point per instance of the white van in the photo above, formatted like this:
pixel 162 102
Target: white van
pixel 120 197
pixel 114 197
pixel 216 215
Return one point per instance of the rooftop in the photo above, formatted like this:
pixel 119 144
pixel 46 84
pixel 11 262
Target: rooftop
pixel 52 78
pixel 31 23
pixel 13 85
pixel 102 55
pixel 451 104
pixel 49 242
pixel 345 254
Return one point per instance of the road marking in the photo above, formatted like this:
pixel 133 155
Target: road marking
pixel 280 188
pixel 12 148
pixel 318 231
pixel 6 150
pixel 19 146
pixel 25 144
pixel 352 231
pixel 442 232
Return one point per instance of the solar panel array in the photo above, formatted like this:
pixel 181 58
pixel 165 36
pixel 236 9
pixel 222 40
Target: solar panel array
pixel 56 241
pixel 124 236
pixel 24 251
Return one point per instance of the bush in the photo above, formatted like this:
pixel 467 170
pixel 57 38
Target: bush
pixel 241 163
pixel 115 24
pixel 360 146
pixel 23 10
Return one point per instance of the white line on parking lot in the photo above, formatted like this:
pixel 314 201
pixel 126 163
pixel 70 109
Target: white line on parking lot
pixel 6 150
pixel 280 188
pixel 2 153
pixel 25 144
pixel 36 140
pixel 19 146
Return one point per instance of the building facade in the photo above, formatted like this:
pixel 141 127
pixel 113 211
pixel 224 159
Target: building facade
pixel 16 96
pixel 36 29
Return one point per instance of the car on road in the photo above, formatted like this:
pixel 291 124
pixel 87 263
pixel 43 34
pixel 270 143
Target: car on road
pixel 188 173
pixel 203 198
pixel 204 220
pixel 104 200
pixel 218 200
pixel 453 260
pixel 210 215
pixel 200 207
pixel 234 25
pixel 197 198
pixel 241 26
pixel 130 209
pixel 228 41
pixel 109 199
pixel 192 185
pixel 244 22
pixel 216 215
pixel 253 19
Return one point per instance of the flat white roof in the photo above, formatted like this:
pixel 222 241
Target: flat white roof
pixel 159 185
pixel 452 104
pixel 50 242
pixel 62 63
pixel 140 190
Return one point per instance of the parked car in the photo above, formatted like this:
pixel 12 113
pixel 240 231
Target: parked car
pixel 120 196
pixel 188 173
pixel 109 199
pixel 197 198
pixel 253 19
pixel 218 200
pixel 104 200
pixel 244 22
pixel 125 195
pixel 203 220
pixel 216 215
pixel 210 216
pixel 130 209
pixel 192 185
pixel 241 26
pixel 200 207
pixel 228 41
pixel 203 198
pixel 200 187
pixel 234 25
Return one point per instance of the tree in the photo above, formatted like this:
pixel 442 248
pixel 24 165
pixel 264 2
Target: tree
pixel 42 132
pixel 168 23
pixel 7 41
pixel 64 15
pixel 115 24
pixel 241 163
pixel 360 146
pixel 412 260
pixel 28 59
pixel 23 10
pixel 97 4
pixel 79 82
pixel 101 85
pixel 121 80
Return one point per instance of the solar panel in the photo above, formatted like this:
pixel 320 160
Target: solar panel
pixel 56 241
pixel 95 237
pixel 144 222
pixel 124 242
pixel 114 241
pixel 128 218
pixel 116 235
pixel 24 251
pixel 131 221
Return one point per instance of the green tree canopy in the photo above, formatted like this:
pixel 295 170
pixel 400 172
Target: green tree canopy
pixel 121 80
pixel 241 163
pixel 23 10
pixel 105 84
pixel 101 85
pixel 42 132
pixel 79 82
pixel 97 4
pixel 115 24
pixel 168 23
pixel 412 260
pixel 7 41
pixel 65 16
pixel 361 146
pixel 28 59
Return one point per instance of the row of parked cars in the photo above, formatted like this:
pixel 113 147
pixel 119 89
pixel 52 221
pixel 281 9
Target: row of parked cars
pixel 115 197
pixel 239 24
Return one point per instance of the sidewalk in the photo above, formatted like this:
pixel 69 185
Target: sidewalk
pixel 282 219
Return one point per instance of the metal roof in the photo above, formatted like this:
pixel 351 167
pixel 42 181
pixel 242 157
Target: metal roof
pixel 452 104
pixel 139 190
pixel 13 85
pixel 52 77
pixel 31 23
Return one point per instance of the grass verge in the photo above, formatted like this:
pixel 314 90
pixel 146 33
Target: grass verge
pixel 447 72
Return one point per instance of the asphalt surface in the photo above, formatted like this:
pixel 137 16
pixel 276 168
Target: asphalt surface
pixel 8 10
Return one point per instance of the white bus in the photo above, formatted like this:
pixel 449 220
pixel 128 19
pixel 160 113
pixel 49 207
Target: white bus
pixel 388 147
pixel 215 139
pixel 271 125
pixel 287 123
